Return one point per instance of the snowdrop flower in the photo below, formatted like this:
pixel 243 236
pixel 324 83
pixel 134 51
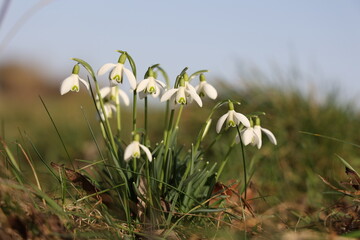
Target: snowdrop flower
pixel 71 83
pixel 117 71
pixel 114 94
pixel 109 109
pixel 232 119
pixel 182 95
pixel 133 150
pixel 205 89
pixel 150 85
pixel 253 135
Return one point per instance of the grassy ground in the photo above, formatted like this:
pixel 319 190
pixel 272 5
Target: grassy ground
pixel 287 198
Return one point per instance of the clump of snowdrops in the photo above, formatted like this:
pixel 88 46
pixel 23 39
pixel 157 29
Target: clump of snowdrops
pixel 159 183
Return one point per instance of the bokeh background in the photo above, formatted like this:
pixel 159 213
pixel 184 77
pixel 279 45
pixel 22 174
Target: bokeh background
pixel 298 61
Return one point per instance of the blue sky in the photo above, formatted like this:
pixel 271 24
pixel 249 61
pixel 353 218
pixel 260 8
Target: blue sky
pixel 320 37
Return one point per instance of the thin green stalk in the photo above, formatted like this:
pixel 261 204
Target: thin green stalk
pixel 179 116
pixel 223 163
pixel 58 133
pixel 134 110
pixel 146 120
pixel 244 161
pixel 118 113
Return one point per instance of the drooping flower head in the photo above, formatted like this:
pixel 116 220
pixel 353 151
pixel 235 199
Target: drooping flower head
pixel 114 94
pixel 71 83
pixel 253 134
pixel 205 89
pixel 182 94
pixel 232 119
pixel 150 85
pixel 133 150
pixel 117 71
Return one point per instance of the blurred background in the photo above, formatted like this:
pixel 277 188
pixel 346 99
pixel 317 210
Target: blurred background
pixel 296 61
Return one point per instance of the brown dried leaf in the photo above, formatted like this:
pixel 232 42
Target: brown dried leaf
pixel 355 179
pixel 355 193
pixel 84 183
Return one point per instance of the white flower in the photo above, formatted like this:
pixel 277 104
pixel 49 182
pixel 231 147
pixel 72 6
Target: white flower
pixel 109 109
pixel 114 93
pixel 71 83
pixel 253 135
pixel 183 95
pixel 205 89
pixel 116 73
pixel 151 86
pixel 133 151
pixel 232 119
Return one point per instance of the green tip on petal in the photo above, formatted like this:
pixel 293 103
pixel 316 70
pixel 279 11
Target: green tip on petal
pixel 152 90
pixel 117 78
pixel 122 58
pixel 75 88
pixel 202 78
pixel 182 101
pixel 76 69
pixel 231 124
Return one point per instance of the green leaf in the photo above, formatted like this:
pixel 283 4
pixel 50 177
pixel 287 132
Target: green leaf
pixel 347 164
pixel 197 73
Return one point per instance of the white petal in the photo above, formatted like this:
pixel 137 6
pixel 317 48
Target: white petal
pixel 247 135
pixel 142 85
pixel 210 91
pixel 270 135
pixel 142 95
pixel 117 71
pixel 106 67
pixel 257 136
pixel 129 151
pixel 194 95
pixel 85 83
pixel 241 118
pixel 147 151
pixel 221 121
pixel 157 92
pixel 124 97
pixel 68 84
pixel 104 92
pixel 163 85
pixel 132 80
pixel 167 95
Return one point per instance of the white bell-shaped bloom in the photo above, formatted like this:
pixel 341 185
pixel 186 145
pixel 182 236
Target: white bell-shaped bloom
pixel 109 110
pixel 133 150
pixel 182 95
pixel 232 119
pixel 253 136
pixel 205 89
pixel 114 94
pixel 117 70
pixel 151 86
pixel 71 83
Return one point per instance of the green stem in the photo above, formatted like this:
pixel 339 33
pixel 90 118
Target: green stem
pixel 146 121
pixel 179 116
pixel 244 161
pixel 134 111
pixel 118 113
pixel 221 168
